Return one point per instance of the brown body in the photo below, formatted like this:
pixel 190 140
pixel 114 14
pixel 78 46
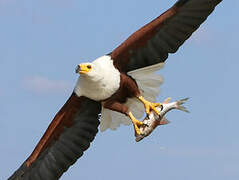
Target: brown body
pixel 128 89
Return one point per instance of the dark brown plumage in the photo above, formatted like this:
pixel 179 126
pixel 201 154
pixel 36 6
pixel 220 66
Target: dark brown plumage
pixel 128 89
pixel 152 43
pixel 64 141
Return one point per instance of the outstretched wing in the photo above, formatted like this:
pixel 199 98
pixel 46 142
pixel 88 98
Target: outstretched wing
pixel 165 34
pixel 65 140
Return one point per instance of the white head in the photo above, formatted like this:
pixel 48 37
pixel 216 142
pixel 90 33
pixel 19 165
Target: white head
pixel 89 71
pixel 98 80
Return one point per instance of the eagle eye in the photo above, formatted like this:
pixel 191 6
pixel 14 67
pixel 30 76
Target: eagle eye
pixel 89 66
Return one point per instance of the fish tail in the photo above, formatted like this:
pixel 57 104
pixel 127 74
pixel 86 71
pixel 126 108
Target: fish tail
pixel 179 105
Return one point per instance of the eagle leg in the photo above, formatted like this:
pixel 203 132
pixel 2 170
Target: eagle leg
pixel 149 106
pixel 119 107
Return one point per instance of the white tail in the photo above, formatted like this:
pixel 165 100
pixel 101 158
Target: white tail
pixel 149 85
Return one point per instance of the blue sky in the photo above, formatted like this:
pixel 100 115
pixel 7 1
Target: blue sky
pixel 42 41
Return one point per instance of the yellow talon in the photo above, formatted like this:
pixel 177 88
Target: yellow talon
pixel 150 106
pixel 136 131
pixel 136 124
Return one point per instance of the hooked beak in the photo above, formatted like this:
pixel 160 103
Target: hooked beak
pixel 77 70
pixel 82 69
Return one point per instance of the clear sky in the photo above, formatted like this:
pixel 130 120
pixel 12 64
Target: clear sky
pixel 41 42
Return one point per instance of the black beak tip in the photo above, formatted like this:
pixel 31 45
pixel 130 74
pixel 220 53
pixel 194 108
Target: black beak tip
pixel 77 70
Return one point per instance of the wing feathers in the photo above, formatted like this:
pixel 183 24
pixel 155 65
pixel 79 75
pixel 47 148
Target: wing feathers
pixel 65 140
pixel 62 119
pixel 165 34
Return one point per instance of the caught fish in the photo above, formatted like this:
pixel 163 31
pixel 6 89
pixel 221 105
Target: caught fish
pixel 153 120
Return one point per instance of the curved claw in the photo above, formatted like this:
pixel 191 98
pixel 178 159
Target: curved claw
pixel 149 106
pixel 136 130
pixel 136 124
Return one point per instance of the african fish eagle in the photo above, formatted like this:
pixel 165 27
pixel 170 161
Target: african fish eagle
pixel 113 86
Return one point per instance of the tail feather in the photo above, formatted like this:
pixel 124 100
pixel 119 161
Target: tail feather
pixel 146 70
pixel 149 85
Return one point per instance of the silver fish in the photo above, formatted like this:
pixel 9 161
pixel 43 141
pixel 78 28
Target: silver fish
pixel 153 120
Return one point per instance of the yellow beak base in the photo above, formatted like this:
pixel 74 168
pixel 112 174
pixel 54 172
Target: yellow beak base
pixel 84 68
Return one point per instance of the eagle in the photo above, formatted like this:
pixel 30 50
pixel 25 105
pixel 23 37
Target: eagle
pixel 114 89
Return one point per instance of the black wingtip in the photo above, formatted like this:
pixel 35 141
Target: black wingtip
pixel 180 3
pixel 19 174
